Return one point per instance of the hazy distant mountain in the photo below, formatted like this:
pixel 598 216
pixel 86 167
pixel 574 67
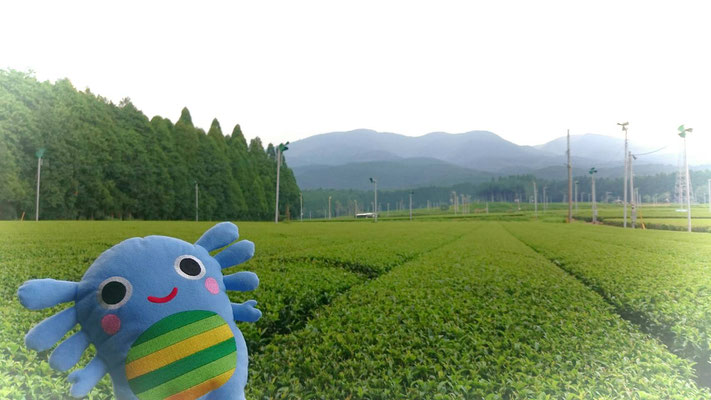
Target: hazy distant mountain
pixel 605 149
pixel 479 150
pixel 595 147
pixel 346 159
pixel 396 174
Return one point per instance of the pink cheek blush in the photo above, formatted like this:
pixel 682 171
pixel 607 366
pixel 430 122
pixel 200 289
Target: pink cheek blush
pixel 212 286
pixel 111 324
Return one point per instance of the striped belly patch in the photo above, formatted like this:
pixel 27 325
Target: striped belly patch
pixel 182 356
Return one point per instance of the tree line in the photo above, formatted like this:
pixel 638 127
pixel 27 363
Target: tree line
pixel 658 188
pixel 104 160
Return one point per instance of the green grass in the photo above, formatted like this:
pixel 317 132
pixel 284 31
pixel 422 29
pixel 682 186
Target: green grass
pixel 442 308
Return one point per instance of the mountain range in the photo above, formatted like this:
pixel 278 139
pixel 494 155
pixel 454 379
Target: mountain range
pixel 345 160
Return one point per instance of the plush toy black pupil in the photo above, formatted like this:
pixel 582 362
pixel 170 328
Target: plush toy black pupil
pixel 113 292
pixel 190 267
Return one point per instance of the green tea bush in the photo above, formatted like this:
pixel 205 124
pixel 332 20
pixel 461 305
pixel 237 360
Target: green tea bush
pixel 659 279
pixel 481 317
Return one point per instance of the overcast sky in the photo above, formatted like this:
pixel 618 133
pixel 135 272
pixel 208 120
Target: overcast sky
pixel 286 70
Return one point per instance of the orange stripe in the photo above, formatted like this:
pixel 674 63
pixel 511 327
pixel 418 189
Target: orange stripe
pixel 203 388
pixel 177 351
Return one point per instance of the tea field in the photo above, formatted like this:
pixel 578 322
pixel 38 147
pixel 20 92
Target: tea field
pixel 439 309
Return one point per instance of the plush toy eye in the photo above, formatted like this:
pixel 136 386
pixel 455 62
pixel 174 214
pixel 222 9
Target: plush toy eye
pixel 114 292
pixel 189 267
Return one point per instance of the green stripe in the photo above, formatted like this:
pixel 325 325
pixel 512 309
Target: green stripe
pixel 173 370
pixel 170 323
pixel 173 337
pixel 194 377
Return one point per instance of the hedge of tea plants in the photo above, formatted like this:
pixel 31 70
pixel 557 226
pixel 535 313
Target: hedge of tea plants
pixel 481 317
pixel 661 280
pixel 446 309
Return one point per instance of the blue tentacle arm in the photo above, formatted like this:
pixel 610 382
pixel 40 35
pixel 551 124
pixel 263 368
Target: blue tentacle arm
pixel 242 281
pixel 42 293
pixel 218 236
pixel 48 332
pixel 235 254
pixel 246 312
pixel 85 379
pixel 68 353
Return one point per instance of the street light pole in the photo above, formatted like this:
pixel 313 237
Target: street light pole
pixel 682 133
pixel 39 154
pixel 624 129
pixel 576 196
pixel 570 184
pixel 633 201
pixel 411 192
pixel 592 172
pixel 280 149
pixel 375 205
pixel 535 200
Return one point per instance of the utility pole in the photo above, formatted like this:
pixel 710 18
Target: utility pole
pixel 624 129
pixel 570 183
pixel 411 192
pixel 39 153
pixel 545 200
pixel 301 204
pixel 592 172
pixel 280 149
pixel 709 198
pixel 329 207
pixel 633 202
pixel 375 204
pixel 576 195
pixel 196 201
pixel 355 206
pixel 637 197
pixel 535 200
pixel 682 134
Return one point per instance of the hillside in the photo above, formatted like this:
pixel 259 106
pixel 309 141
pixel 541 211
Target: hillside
pixel 396 174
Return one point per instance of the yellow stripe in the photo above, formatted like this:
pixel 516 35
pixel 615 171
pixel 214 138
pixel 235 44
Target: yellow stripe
pixel 205 387
pixel 177 351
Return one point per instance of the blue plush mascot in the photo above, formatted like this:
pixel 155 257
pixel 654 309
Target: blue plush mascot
pixel 157 312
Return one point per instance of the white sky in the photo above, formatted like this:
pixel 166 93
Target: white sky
pixel 286 70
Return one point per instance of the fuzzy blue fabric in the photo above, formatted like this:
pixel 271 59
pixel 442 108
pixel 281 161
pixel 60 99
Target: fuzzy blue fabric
pixel 157 311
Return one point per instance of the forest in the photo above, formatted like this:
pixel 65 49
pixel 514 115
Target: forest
pixel 108 161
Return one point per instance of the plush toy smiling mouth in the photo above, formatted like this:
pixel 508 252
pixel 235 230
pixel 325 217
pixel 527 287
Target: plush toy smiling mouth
pixel 165 299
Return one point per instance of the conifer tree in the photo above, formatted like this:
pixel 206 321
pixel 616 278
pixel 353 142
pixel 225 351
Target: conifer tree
pixel 109 161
